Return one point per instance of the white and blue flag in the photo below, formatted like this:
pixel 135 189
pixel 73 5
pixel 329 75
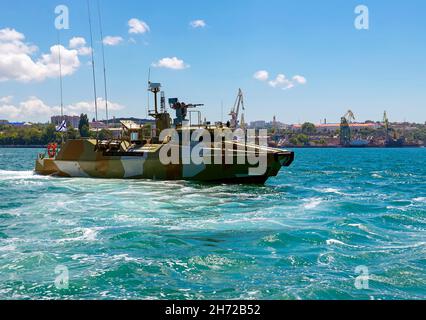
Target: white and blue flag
pixel 62 127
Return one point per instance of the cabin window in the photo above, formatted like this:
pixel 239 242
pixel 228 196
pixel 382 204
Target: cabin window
pixel 134 136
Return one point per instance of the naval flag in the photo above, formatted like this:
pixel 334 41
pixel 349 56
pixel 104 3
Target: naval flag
pixel 62 127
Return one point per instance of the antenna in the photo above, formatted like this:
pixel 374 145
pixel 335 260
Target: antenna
pixel 221 111
pixel 93 62
pixel 149 82
pixel 103 61
pixel 60 82
pixel 60 77
pixel 163 102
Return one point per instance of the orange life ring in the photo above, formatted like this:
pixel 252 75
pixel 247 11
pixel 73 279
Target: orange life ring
pixel 51 150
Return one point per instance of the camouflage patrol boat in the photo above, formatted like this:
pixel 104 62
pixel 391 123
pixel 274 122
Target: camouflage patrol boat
pixel 138 152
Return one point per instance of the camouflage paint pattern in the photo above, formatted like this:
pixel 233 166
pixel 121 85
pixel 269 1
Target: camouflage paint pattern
pixel 79 158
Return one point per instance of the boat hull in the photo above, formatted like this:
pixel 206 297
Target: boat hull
pixel 78 158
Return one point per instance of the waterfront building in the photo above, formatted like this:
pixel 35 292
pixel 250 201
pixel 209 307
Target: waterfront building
pixel 97 125
pixel 71 120
pixel 333 127
pixel 20 124
pixel 260 124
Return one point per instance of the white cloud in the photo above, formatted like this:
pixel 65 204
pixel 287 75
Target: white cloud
pixel 77 42
pixel 261 75
pixel 89 107
pixel 8 35
pixel 112 41
pixel 84 51
pixel 17 62
pixel 198 24
pixel 7 99
pixel 34 109
pixel 50 62
pixel 30 109
pixel 171 63
pixel 299 79
pixel 137 26
pixel 281 81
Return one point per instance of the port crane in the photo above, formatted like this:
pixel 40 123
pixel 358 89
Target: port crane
pixel 345 129
pixel 386 121
pixel 391 141
pixel 239 103
pixel 243 122
pixel 349 116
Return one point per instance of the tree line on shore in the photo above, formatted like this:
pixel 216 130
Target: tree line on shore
pixel 43 134
pixel 310 135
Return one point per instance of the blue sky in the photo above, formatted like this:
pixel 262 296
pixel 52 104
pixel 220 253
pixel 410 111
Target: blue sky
pixel 367 71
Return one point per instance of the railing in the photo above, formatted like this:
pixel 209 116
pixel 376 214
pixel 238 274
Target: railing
pixel 199 117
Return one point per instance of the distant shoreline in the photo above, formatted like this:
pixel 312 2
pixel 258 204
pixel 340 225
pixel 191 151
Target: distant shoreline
pixel 288 147
pixel 22 147
pixel 340 147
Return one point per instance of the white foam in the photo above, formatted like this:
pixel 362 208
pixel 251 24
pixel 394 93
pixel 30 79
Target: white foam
pixel 313 203
pixel 79 256
pixel 409 246
pixel 335 242
pixel 9 247
pixel 87 235
pixel 359 226
pixel 325 259
pixel 330 190
pixel 398 208
pixel 124 257
pixel 5 174
pixel 271 238
pixel 104 294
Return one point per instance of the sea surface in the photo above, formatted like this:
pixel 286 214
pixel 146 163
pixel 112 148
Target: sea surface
pixel 338 224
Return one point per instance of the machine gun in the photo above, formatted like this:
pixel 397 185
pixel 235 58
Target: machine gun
pixel 181 109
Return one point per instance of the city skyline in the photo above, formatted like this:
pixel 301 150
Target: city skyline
pixel 301 62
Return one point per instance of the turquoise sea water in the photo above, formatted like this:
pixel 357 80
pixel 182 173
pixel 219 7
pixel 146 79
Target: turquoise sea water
pixel 302 236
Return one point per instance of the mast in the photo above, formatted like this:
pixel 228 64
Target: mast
pixel 221 111
pixel 103 62
pixel 93 63
pixel 60 77
pixel 148 102
pixel 60 83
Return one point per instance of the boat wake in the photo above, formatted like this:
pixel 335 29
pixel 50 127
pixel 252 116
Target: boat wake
pixel 6 174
